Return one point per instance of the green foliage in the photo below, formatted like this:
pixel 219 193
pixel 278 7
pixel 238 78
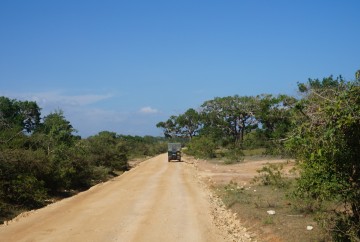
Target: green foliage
pixel 254 152
pixel 170 127
pixel 341 226
pixel 202 147
pixel 21 174
pixel 232 115
pixel 255 139
pixel 276 115
pixel 55 132
pixel 184 125
pixel 238 122
pixel 18 115
pixel 271 174
pixel 189 123
pixel 26 190
pixel 107 150
pixel 143 146
pixel 327 145
pixel 233 155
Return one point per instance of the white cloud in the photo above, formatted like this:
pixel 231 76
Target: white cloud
pixel 56 99
pixel 90 121
pixel 47 98
pixel 148 110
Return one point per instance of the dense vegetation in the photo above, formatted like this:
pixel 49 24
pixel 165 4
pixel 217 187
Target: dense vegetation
pixel 320 129
pixel 234 123
pixel 327 142
pixel 42 158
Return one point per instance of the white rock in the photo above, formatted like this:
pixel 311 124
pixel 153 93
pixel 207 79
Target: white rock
pixel 309 227
pixel 271 212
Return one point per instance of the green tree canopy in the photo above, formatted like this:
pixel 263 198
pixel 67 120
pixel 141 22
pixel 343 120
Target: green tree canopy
pixel 233 115
pixel 170 127
pixel 19 114
pixel 275 114
pixel 55 132
pixel 189 123
pixel 17 117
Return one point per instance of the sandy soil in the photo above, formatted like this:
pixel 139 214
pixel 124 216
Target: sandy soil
pixel 214 173
pixel 241 173
pixel 155 201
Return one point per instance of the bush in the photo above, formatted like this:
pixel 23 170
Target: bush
pixel 26 190
pixel 201 147
pixel 271 174
pixel 327 145
pixel 234 155
pixel 21 177
pixel 100 174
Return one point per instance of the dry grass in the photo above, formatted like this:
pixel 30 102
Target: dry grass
pixel 251 203
pixel 254 152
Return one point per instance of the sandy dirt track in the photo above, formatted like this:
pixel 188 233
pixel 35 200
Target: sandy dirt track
pixel 156 201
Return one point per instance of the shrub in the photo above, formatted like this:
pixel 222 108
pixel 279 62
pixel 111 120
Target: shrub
pixel 26 190
pixel 234 155
pixel 271 174
pixel 201 147
pixel 327 145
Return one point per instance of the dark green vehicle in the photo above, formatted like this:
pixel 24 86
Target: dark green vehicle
pixel 174 151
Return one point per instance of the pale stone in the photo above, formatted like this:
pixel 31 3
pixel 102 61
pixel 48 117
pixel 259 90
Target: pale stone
pixel 271 212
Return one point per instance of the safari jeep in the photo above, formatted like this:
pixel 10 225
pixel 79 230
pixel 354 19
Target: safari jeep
pixel 174 151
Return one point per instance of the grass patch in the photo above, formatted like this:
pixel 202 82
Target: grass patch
pixel 254 152
pixel 251 203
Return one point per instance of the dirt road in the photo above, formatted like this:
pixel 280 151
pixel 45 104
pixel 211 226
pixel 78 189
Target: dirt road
pixel 156 201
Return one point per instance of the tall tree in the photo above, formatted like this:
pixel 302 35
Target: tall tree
pixel 189 123
pixel 56 131
pixel 275 115
pixel 234 115
pixel 170 127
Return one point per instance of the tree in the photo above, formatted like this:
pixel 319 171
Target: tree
pixel 29 113
pixel 170 127
pixel 327 145
pixel 233 115
pixel 55 137
pixel 19 114
pixel 17 117
pixel 189 123
pixel 55 132
pixel 276 115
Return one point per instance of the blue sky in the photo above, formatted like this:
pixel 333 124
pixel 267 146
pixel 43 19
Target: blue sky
pixel 123 66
